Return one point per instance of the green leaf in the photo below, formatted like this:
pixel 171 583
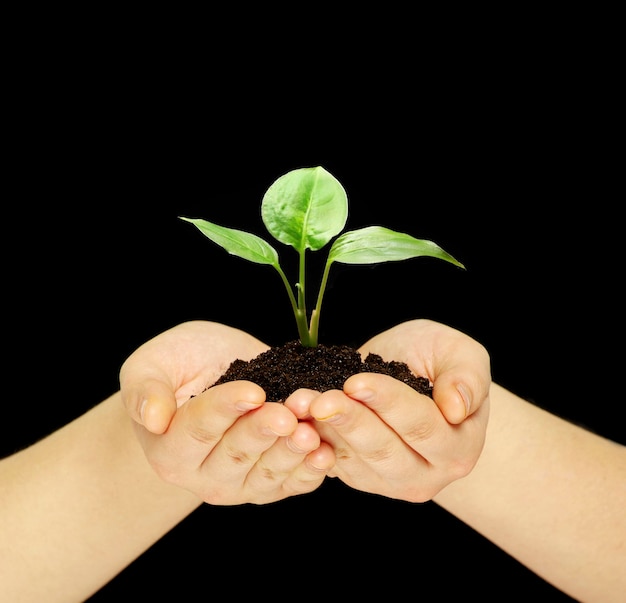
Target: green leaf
pixel 305 208
pixel 238 242
pixel 376 244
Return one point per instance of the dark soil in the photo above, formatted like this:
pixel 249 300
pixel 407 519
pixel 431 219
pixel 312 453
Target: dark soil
pixel 283 369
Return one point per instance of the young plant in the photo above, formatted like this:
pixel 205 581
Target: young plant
pixel 306 208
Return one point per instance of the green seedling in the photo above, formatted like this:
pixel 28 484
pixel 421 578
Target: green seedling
pixel 306 208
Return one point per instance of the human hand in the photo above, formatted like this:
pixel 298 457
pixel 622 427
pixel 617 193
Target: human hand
pixel 177 364
pixel 390 440
pixel 457 365
pixel 225 443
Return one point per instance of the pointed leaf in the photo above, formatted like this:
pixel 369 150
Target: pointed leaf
pixel 376 244
pixel 237 242
pixel 305 208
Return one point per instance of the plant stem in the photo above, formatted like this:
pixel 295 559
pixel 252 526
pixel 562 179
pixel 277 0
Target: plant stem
pixel 315 316
pixel 301 321
pixel 301 284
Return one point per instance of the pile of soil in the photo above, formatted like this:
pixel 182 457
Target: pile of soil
pixel 283 369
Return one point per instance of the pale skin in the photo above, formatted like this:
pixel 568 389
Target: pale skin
pixel 397 444
pixel 439 450
pixel 546 491
pixel 552 495
pixel 78 506
pixel 259 454
pixel 538 499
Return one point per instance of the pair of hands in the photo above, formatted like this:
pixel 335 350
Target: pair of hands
pixel 228 446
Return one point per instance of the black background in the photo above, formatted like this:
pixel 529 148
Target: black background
pixel 510 173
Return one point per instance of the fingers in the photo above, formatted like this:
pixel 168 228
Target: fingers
pixel 456 396
pixel 371 456
pixel 152 405
pixel 417 420
pixel 404 412
pixel 374 417
pixel 461 383
pixel 202 421
pixel 389 439
pixel 229 446
pixel 295 464
pixel 368 450
pixel 457 365
pixel 177 364
pixel 299 402
pixel 199 423
pixel 147 392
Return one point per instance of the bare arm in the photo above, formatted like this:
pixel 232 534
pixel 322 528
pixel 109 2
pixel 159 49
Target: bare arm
pixel 79 506
pixel 546 491
pixel 552 495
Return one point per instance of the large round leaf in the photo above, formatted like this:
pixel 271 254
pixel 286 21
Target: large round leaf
pixel 305 208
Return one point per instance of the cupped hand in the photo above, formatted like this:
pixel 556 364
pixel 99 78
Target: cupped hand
pixel 390 440
pixel 177 364
pixel 224 443
pixel 457 365
pixel 228 446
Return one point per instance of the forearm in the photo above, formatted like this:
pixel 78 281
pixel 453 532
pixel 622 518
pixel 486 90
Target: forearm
pixel 550 494
pixel 79 506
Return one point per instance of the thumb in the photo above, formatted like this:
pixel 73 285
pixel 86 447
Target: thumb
pixel 458 396
pixel 151 404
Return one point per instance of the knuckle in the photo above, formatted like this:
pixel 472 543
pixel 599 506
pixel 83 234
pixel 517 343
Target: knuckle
pixel 379 455
pixel 461 467
pixel 267 474
pixel 421 431
pixel 237 456
pixel 343 453
pixel 201 434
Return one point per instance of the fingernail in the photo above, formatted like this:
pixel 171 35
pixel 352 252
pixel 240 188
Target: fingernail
pixel 364 395
pixel 272 432
pixel 294 447
pixel 315 467
pixel 465 395
pixel 142 410
pixel 330 418
pixel 244 405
